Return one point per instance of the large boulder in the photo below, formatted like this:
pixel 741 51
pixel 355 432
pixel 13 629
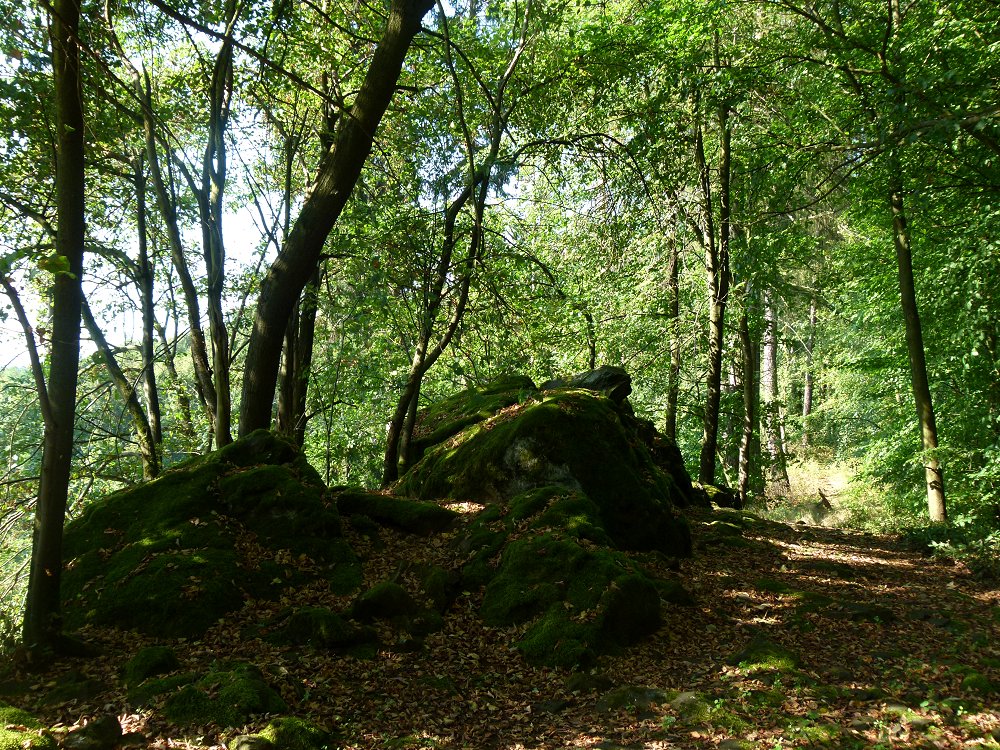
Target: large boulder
pixel 574 438
pixel 173 556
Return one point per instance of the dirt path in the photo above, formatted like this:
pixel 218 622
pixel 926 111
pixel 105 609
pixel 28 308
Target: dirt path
pixel 797 636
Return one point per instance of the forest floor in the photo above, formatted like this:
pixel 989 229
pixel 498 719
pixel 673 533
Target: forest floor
pixel 800 636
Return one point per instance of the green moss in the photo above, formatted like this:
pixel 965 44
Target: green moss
pixel 557 641
pixel 632 698
pixel 162 557
pixel 170 594
pixel 448 417
pixel 582 601
pixel 576 514
pixel 290 733
pixel 274 503
pixel 533 501
pixel 762 654
pixel 225 697
pixel 412 516
pixel 974 682
pixel 323 628
pixel 438 585
pixel 143 694
pixel 573 439
pixel 148 662
pixel 384 600
pixel 629 610
pixel 13 739
pixel 345 577
pixel 673 592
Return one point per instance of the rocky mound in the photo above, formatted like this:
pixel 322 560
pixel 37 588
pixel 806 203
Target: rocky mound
pixel 494 443
pixel 566 485
pixel 173 556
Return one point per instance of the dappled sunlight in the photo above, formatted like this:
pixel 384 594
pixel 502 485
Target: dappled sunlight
pixel 466 507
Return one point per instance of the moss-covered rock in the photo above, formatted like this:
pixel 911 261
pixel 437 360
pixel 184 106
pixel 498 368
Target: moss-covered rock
pixel 31 737
pixel 149 662
pixel 290 733
pixel 580 601
pixel 412 516
pixel 226 697
pixel 170 557
pixel 574 439
pixel 763 654
pixel 323 628
pixel 384 601
pixel 447 417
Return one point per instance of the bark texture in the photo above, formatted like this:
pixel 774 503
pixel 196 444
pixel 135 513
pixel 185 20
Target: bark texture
pixel 338 172
pixel 933 473
pixel 42 616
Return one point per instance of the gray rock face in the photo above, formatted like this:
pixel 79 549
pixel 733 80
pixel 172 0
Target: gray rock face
pixel 608 380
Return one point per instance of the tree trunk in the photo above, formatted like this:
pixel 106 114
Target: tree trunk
pixel 145 283
pixel 674 312
pixel 338 172
pixel 204 381
pixel 933 474
pixel 42 615
pixel 807 385
pixel 140 423
pixel 778 483
pixel 424 356
pixel 213 184
pixel 717 270
pixel 299 342
pixel 750 396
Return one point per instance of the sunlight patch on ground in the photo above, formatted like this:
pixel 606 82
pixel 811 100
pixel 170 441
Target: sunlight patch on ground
pixel 465 508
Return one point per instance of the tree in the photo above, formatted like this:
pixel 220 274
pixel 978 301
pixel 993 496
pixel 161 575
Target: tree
pixel 336 176
pixel 42 623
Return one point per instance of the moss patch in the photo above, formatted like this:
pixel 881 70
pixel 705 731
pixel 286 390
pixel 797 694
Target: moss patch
pixel 31 737
pixel 172 557
pixel 290 733
pixel 226 697
pixel 149 662
pixel 384 601
pixel 580 601
pixel 762 654
pixel 323 628
pixel 412 516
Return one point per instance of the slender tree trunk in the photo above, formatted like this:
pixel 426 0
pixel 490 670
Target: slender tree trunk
pixel 176 384
pixel 204 381
pixel 42 616
pixel 424 356
pixel 933 473
pixel 750 396
pixel 140 423
pixel 145 283
pixel 807 385
pixel 717 270
pixel 299 342
pixel 674 311
pixel 778 483
pixel 338 172
pixel 210 198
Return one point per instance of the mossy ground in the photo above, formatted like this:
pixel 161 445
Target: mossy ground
pixel 20 730
pixel 227 696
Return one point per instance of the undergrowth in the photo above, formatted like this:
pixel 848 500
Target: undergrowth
pixel 971 535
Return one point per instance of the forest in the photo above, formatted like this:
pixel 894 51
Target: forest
pixel 779 217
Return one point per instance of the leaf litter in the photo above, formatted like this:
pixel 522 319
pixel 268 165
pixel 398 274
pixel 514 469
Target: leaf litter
pixel 883 642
